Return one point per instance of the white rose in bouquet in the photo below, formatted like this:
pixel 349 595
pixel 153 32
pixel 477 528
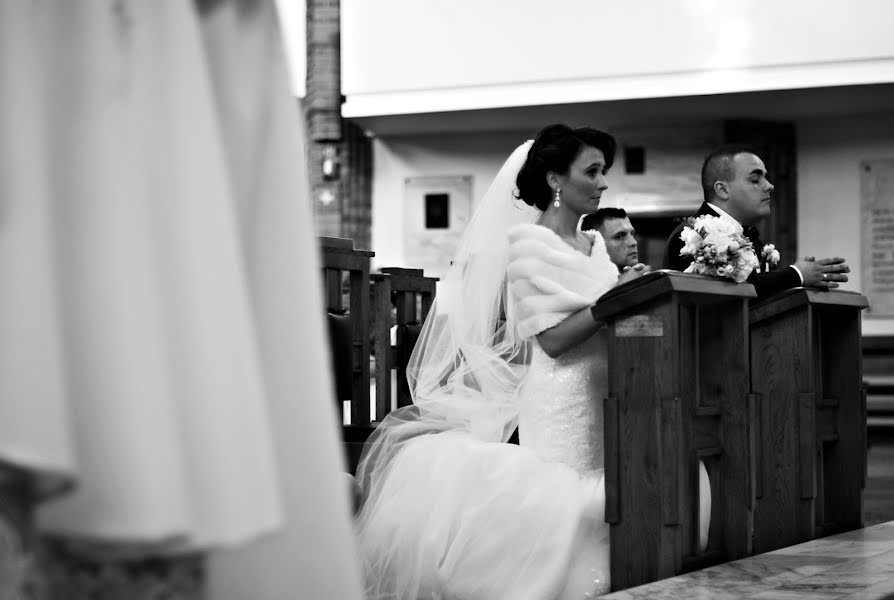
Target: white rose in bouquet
pixel 745 264
pixel 691 241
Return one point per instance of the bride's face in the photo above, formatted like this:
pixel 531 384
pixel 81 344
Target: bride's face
pixel 584 183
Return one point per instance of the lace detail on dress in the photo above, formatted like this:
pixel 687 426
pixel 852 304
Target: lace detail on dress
pixel 560 405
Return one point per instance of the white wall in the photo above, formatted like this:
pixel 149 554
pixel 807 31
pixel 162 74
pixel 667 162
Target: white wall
pixel 829 155
pixel 396 158
pixel 401 56
pixel 673 159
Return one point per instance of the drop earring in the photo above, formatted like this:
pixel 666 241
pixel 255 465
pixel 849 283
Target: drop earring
pixel 556 203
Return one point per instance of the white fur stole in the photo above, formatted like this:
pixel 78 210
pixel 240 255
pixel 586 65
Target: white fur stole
pixel 549 280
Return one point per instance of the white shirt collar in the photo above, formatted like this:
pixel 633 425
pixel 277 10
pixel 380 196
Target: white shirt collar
pixel 726 216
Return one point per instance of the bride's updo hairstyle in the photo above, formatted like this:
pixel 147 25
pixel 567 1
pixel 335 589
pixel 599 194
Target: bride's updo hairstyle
pixel 554 149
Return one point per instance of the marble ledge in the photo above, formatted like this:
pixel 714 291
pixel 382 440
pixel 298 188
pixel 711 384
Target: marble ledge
pixel 857 565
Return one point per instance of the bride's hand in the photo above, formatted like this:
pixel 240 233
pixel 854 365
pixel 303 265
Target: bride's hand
pixel 634 272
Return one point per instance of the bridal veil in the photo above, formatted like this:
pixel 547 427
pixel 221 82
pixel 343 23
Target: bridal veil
pixel 469 362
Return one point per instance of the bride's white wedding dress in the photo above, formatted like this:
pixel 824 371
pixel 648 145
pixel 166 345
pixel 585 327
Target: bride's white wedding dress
pixel 458 517
pixel 449 510
pixel 561 400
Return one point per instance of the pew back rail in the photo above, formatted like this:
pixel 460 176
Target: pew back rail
pixel 667 409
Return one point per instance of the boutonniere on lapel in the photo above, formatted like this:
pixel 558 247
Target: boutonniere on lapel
pixel 717 248
pixel 769 258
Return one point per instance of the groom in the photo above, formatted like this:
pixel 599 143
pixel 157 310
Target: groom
pixel 736 189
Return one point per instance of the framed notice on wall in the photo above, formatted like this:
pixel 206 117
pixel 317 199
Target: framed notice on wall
pixel 877 218
pixel 436 212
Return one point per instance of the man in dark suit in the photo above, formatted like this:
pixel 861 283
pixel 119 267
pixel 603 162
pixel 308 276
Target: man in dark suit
pixel 736 188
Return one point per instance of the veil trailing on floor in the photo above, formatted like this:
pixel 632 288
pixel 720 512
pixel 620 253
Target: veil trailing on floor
pixel 469 361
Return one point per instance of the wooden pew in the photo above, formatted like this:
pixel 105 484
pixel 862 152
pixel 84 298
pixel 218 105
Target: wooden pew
pixel 17 503
pixel 405 295
pixel 349 331
pixel 806 382
pixel 349 326
pixel 409 295
pixel 878 379
pixel 669 406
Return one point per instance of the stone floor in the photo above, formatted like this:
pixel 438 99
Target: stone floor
pixel 854 565
pixel 857 564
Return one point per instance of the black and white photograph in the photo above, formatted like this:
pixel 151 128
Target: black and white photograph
pixel 433 300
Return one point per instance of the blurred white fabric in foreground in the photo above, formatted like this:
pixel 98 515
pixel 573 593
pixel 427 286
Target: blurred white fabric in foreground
pixel 160 364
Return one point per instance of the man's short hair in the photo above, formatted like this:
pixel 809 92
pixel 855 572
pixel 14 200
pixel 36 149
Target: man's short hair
pixel 718 166
pixel 595 220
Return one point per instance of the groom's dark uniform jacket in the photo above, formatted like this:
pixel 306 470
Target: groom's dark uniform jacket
pixel 765 284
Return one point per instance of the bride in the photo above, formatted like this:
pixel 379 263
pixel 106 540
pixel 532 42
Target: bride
pixel 448 509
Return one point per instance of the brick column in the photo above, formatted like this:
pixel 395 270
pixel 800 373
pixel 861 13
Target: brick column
pixel 339 152
pixel 356 212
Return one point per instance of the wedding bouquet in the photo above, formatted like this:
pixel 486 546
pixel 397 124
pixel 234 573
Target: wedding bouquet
pixel 717 247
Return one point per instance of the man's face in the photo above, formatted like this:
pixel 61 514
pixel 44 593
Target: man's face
pixel 749 191
pixel 619 241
